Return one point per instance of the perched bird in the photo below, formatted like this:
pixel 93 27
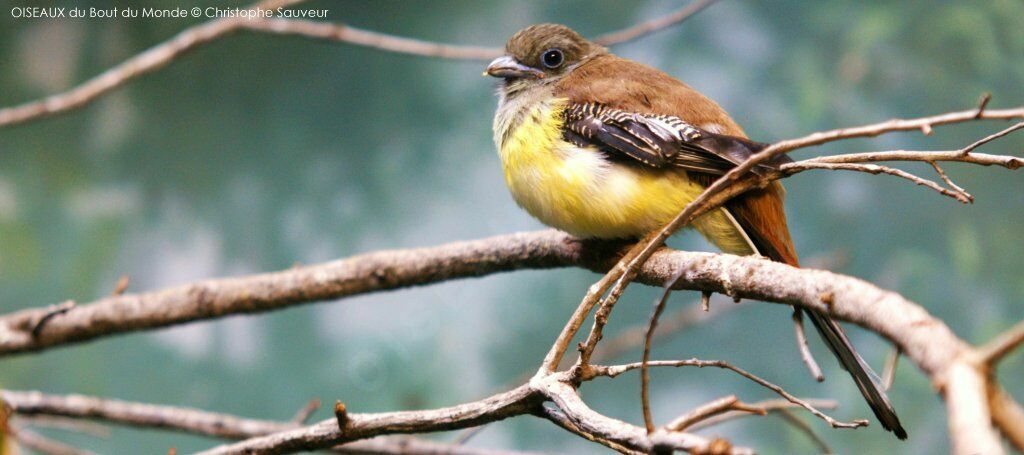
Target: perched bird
pixel 603 147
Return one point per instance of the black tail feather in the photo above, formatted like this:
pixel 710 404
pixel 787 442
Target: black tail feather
pixel 866 379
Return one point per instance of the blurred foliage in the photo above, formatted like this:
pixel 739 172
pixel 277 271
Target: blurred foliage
pixel 257 152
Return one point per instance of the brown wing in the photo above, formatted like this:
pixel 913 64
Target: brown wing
pixel 629 86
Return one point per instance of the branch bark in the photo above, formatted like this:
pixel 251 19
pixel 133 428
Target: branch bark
pixel 925 340
pixel 199 422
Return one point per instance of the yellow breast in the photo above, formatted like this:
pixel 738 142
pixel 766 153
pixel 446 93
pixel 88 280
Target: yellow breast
pixel 578 190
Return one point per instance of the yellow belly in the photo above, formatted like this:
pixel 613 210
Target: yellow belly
pixel 578 190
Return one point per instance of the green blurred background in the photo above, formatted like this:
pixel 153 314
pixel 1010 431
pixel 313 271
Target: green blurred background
pixel 257 152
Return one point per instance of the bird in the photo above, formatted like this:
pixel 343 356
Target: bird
pixel 603 147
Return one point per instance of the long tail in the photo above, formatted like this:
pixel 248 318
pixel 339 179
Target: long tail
pixel 760 214
pixel 866 379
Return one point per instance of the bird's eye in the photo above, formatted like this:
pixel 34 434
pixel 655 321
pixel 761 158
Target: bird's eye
pixel 552 58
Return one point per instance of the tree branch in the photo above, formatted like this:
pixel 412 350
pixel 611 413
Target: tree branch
pixel 993 351
pixel 191 38
pixel 613 371
pixel 195 421
pixel 653 25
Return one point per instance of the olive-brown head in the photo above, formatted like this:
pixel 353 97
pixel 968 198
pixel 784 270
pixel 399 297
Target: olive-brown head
pixel 542 53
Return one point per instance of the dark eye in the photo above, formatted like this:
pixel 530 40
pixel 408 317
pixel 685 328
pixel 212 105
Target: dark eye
pixel 552 58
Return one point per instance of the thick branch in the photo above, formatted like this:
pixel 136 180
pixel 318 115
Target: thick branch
pixel 519 401
pixel 617 431
pixel 217 298
pixel 195 421
pixel 924 339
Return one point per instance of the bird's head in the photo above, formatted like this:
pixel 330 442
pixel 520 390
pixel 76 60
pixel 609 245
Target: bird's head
pixel 541 54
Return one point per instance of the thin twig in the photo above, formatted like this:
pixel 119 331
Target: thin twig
pixel 983 103
pixel 653 25
pixel 612 371
pixel 66 424
pixel 993 351
pixel 711 409
pixel 668 326
pixel 770 406
pixel 38 443
pixel 122 285
pixel 466 435
pixel 195 421
pixel 949 181
pixel 652 325
pixel 164 53
pixel 306 412
pixel 985 140
pixel 800 166
pixel 803 347
pixel 147 62
pixel 806 429
pixel 371 39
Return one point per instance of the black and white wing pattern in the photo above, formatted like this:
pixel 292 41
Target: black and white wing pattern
pixel 656 140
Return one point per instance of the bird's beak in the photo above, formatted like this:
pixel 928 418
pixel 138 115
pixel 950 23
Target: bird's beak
pixel 507 67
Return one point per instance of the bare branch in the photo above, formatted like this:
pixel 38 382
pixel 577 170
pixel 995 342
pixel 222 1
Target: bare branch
pixel 668 326
pixel 356 275
pixel 768 405
pixel 367 38
pixel 804 428
pixel 218 425
pixel 519 401
pixel 659 307
pixel 306 412
pixel 967 405
pixel 66 424
pixel 982 104
pixel 711 409
pixel 803 347
pixel 191 38
pixel 141 64
pixel 612 371
pixel 653 25
pixel 949 182
pixel 993 351
pixel 925 340
pixel 122 285
pixel 617 431
pixel 875 169
pixel 32 440
pixel 985 140
pixel 559 418
pixel 877 129
pixel 780 407
pixel 1007 414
